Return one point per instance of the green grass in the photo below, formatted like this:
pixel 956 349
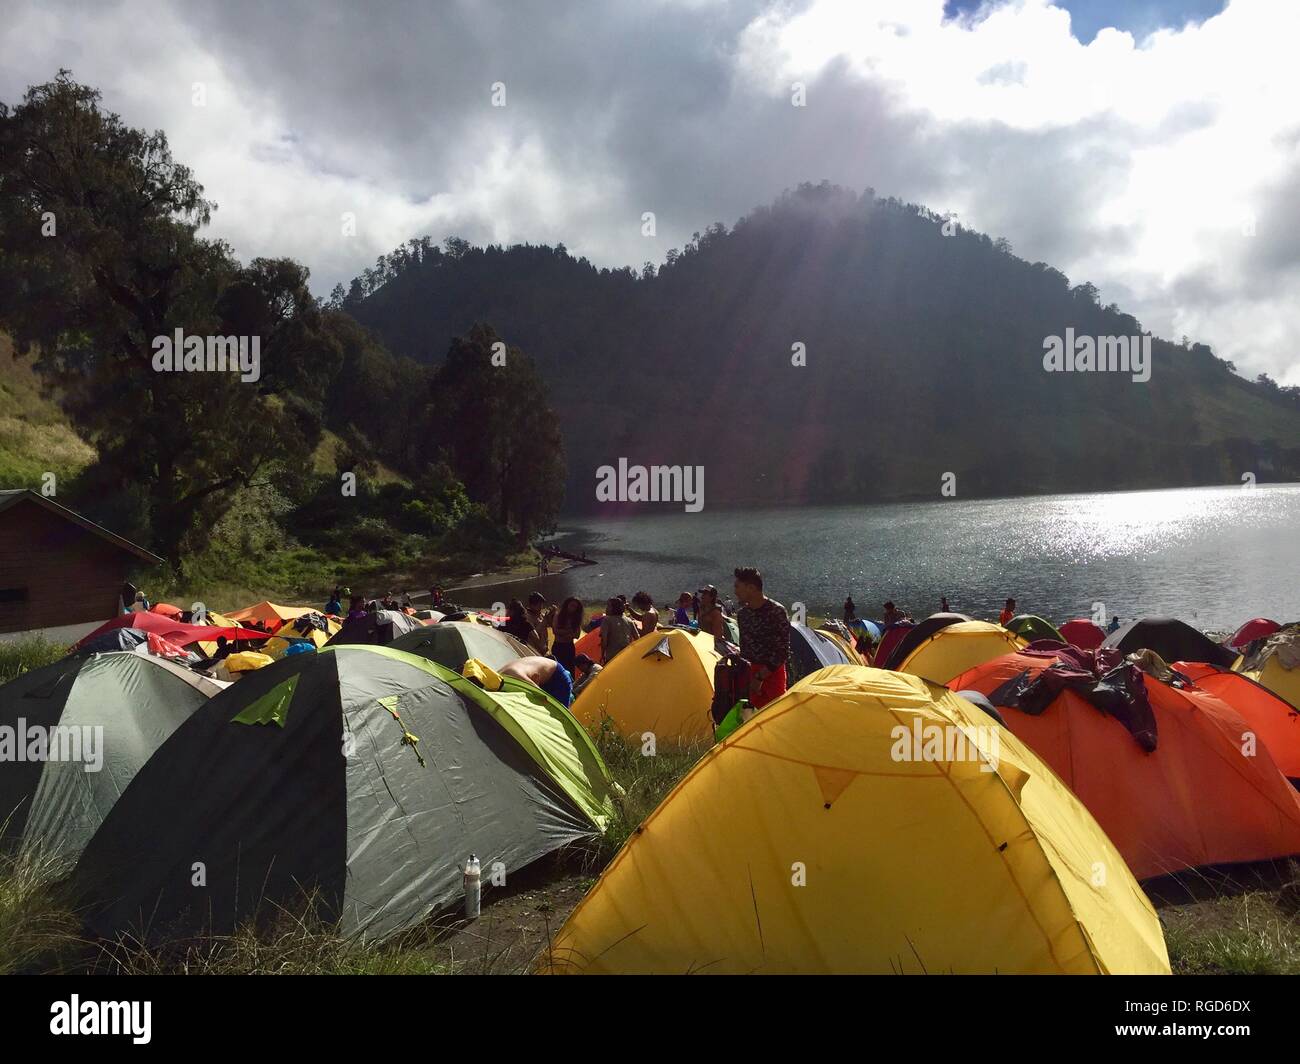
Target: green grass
pixel 1249 934
pixel 35 436
pixel 30 652
pixel 39 930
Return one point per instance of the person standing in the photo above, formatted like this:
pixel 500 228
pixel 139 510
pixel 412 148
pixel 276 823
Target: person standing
pixel 539 616
pixel 943 604
pixel 567 627
pixel 644 614
pixel 616 630
pixel 1008 611
pixel 764 637
pixel 681 615
pixel 850 611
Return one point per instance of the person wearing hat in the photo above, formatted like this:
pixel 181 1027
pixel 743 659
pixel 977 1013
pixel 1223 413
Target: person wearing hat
pixel 681 614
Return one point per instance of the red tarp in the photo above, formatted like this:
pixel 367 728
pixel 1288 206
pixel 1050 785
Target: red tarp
pixel 172 630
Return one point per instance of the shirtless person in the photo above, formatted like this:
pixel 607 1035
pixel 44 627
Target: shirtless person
pixel 546 673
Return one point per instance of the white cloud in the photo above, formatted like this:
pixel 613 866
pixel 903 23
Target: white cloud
pixel 1131 163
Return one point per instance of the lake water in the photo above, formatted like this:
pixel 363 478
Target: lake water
pixel 1212 556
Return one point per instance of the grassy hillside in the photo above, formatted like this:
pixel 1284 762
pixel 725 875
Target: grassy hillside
pixel 35 436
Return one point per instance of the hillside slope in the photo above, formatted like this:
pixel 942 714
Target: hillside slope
pixel 924 356
pixel 35 435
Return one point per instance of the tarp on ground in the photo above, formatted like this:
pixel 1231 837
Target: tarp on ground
pixel 172 630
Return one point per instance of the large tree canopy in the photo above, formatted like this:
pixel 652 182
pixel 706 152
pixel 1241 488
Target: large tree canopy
pixel 99 256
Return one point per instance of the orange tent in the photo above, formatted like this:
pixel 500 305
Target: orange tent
pixel 589 644
pixel 1204 796
pixel 270 614
pixel 166 609
pixel 1274 719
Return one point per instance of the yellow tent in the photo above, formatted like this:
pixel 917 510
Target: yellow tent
pixel 1283 682
pixel 958 647
pixel 809 842
pixel 1276 664
pixel 662 683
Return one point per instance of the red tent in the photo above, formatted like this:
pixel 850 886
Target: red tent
pixel 172 630
pixel 1252 630
pixel 1082 633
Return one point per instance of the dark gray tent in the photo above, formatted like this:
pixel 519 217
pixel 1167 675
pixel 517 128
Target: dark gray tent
pixel 72 737
pixel 361 776
pixel 1172 639
pixel 452 643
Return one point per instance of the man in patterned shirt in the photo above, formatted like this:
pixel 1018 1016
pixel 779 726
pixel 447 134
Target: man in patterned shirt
pixel 764 638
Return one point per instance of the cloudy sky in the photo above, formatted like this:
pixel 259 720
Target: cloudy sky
pixel 1150 146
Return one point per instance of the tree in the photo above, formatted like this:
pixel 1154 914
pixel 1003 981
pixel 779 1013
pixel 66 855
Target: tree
pixel 499 431
pixel 101 258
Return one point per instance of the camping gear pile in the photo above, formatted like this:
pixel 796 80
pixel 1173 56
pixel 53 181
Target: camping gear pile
pixel 354 768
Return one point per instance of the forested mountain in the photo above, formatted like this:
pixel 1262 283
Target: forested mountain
pixel 924 348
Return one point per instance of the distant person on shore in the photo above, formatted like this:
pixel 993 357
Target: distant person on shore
pixel 539 616
pixel 334 606
pixel 943 604
pixel 1114 625
pixel 546 673
pixel 681 615
pixel 695 606
pixel 764 637
pixel 850 611
pixel 435 596
pixel 140 604
pixel 357 608
pixel 406 600
pixel 616 630
pixel 518 625
pixel 1008 611
pixel 584 671
pixel 567 628
pixel 892 615
pixel 644 614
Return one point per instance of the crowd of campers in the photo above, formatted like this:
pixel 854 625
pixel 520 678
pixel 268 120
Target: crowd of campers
pixel 358 753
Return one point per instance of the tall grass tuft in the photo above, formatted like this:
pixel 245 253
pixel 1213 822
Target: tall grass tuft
pixel 39 931
pixel 30 652
pixel 645 779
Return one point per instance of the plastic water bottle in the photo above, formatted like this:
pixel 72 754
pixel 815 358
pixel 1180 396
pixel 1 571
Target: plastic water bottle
pixel 473 887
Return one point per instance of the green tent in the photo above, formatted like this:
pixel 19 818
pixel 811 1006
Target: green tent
pixel 361 776
pixel 1031 627
pixel 72 737
pixel 452 643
